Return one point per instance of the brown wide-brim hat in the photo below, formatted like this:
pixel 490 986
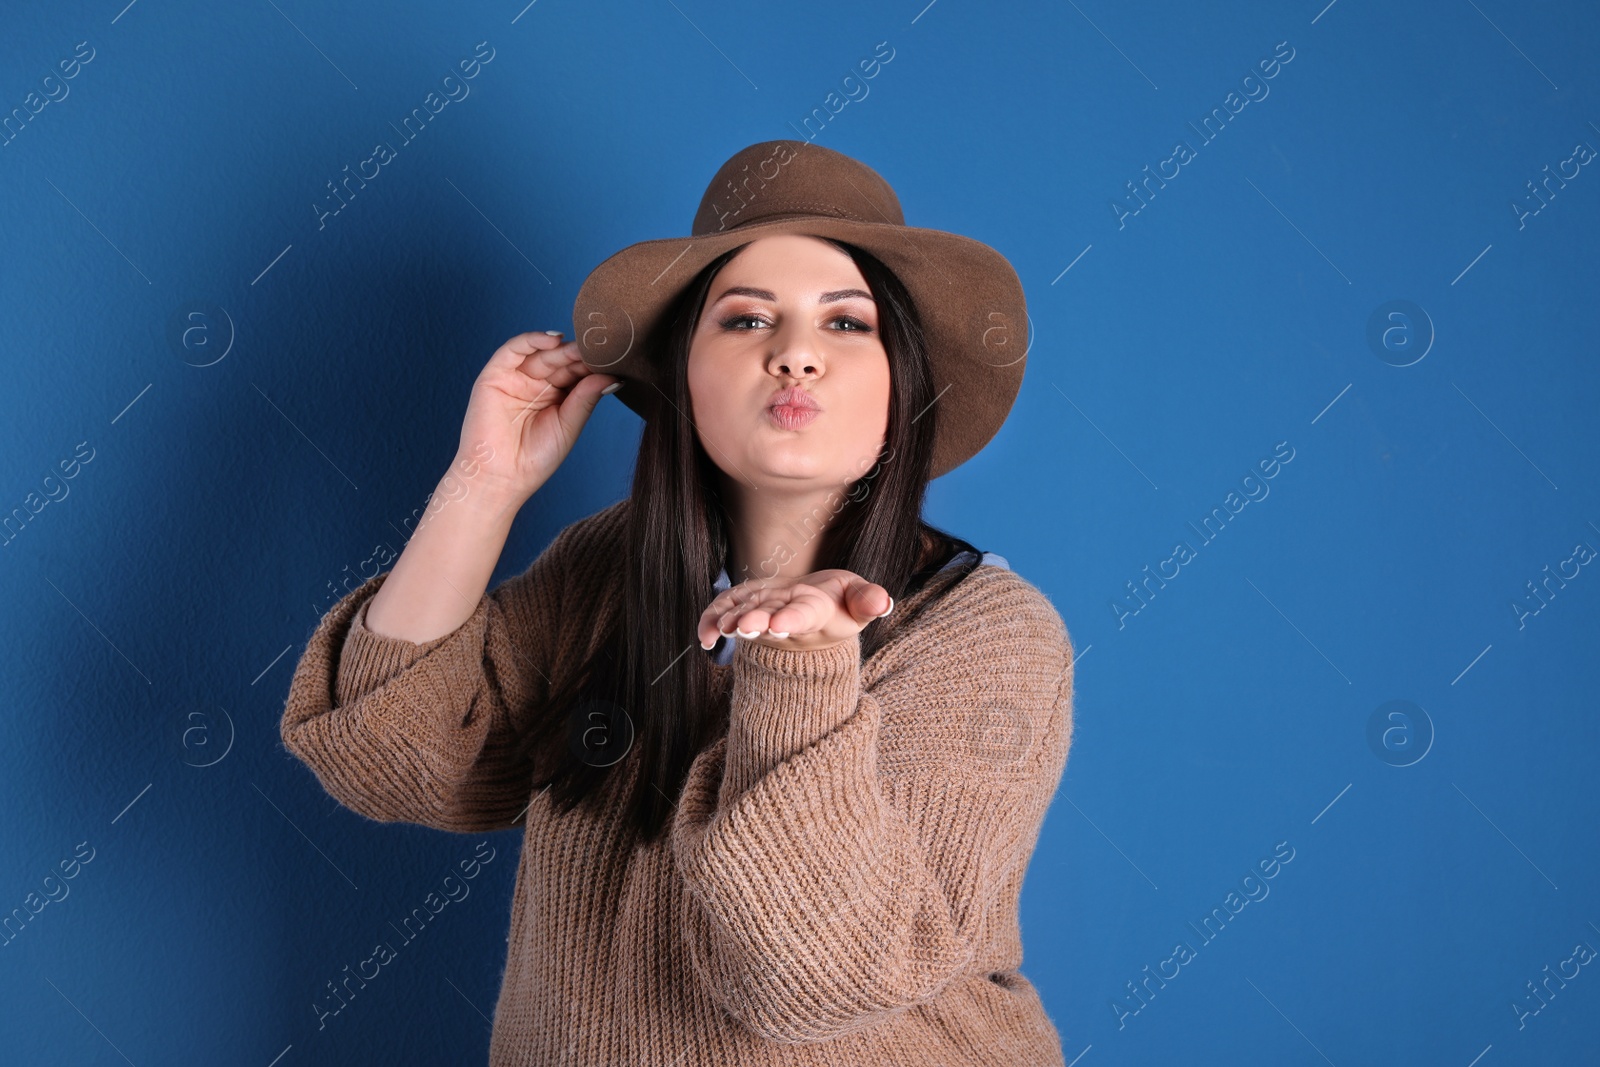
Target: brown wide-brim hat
pixel 967 295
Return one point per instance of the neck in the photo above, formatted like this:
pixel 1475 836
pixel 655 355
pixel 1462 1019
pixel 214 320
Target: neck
pixel 782 534
pixel 775 533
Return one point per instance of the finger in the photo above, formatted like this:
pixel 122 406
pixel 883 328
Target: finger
pixel 719 625
pixel 747 622
pixel 801 610
pixel 580 402
pixel 744 593
pixel 734 599
pixel 561 366
pixel 738 608
pixel 528 367
pixel 539 355
pixel 514 351
pixel 540 389
pixel 771 615
pixel 709 627
pixel 867 601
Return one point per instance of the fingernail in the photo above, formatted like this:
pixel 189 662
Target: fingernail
pixel 553 333
pixel 613 387
pixel 752 633
pixel 775 633
pixel 887 609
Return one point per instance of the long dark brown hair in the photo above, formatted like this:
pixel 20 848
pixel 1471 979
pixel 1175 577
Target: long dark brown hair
pixel 646 691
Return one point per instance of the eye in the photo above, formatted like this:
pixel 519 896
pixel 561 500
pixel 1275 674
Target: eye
pixel 855 325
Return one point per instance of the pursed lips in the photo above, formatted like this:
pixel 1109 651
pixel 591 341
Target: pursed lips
pixel 793 408
pixel 794 398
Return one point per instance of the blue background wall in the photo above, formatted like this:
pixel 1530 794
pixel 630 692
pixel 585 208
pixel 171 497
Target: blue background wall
pixel 227 482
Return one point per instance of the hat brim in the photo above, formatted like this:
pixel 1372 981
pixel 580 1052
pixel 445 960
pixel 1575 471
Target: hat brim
pixel 967 295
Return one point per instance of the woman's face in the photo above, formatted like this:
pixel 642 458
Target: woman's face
pixel 790 311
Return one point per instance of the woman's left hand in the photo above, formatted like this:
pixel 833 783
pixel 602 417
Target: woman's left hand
pixel 817 610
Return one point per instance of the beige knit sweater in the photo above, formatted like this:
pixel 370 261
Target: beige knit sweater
pixel 839 881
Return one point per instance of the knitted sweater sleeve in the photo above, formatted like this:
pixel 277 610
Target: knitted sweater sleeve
pixel 426 733
pixel 845 852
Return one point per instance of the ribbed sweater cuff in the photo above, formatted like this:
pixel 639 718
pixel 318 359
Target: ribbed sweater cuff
pixel 429 708
pixel 783 701
pixel 369 660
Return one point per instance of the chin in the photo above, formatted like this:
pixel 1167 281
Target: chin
pixel 790 465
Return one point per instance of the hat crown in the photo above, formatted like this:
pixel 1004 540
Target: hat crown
pixel 788 179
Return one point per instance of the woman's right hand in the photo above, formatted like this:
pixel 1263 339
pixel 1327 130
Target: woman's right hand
pixel 526 410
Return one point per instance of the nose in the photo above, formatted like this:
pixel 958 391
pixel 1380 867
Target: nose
pixel 792 357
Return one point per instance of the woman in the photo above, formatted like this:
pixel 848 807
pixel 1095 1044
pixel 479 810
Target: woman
pixel 782 819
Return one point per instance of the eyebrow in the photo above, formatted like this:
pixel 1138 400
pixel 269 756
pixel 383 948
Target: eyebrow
pixel 829 297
